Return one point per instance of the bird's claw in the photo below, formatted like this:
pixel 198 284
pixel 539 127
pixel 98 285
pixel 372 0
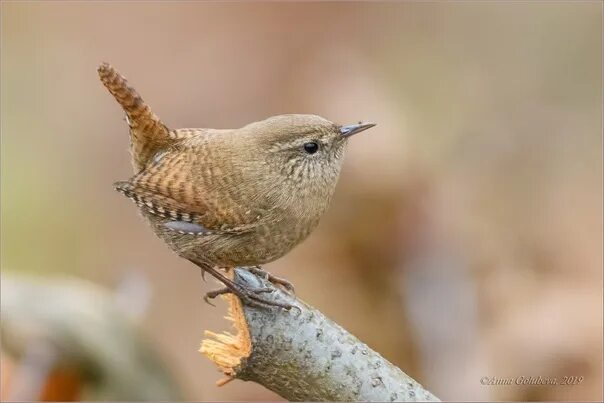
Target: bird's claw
pixel 259 271
pixel 248 296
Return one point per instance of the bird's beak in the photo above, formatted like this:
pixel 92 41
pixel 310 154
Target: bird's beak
pixel 349 130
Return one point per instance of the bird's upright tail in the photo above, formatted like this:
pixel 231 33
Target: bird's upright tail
pixel 148 133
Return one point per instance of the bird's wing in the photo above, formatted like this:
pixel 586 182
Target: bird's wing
pixel 170 189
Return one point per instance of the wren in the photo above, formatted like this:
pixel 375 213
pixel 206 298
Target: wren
pixel 231 198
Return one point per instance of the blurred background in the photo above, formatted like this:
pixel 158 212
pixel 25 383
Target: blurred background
pixel 464 240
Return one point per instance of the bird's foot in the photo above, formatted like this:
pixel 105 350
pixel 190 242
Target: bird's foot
pixel 259 271
pixel 249 296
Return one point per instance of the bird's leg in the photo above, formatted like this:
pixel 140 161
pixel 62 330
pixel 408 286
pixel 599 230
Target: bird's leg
pixel 259 271
pixel 248 296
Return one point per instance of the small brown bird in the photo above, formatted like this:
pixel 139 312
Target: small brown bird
pixel 230 198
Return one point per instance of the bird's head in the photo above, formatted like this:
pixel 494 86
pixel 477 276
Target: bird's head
pixel 306 150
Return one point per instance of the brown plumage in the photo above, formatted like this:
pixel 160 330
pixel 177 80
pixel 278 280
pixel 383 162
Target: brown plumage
pixel 227 198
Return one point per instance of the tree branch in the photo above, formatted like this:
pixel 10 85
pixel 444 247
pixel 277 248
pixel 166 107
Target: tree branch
pixel 302 355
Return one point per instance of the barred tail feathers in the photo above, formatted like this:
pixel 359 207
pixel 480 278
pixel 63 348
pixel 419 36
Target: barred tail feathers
pixel 148 133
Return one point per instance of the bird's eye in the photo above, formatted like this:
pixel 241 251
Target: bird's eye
pixel 311 147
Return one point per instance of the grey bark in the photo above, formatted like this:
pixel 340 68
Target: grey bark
pixel 304 356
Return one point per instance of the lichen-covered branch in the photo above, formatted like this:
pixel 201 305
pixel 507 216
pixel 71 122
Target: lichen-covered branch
pixel 302 355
